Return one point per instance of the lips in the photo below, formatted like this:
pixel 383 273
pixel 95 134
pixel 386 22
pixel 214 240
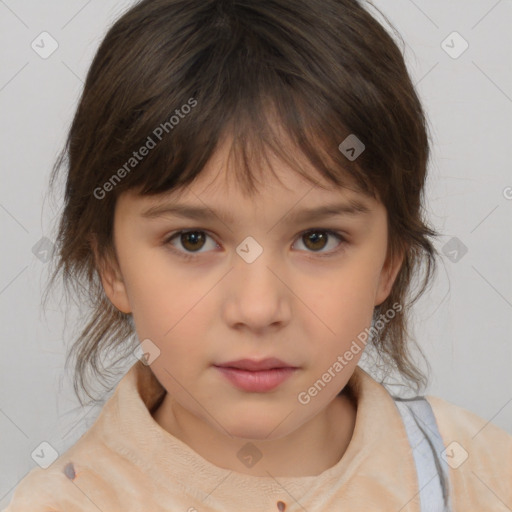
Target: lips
pixel 254 365
pixel 254 376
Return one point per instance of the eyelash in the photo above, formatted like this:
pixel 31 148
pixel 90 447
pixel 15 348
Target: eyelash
pixel 192 256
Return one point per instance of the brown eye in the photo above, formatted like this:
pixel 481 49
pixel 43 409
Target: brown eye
pixel 191 243
pixel 192 240
pixel 325 242
pixel 315 240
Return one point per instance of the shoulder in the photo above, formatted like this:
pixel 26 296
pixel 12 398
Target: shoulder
pixel 39 489
pixel 478 453
pixel 74 481
pixel 81 485
pixel 458 423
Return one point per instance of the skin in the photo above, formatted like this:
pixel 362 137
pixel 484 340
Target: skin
pixel 289 303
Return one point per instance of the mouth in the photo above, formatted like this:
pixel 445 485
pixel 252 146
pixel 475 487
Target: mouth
pixel 270 363
pixel 256 376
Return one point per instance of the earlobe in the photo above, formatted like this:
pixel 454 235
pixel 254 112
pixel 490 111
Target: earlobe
pixel 111 279
pixel 387 277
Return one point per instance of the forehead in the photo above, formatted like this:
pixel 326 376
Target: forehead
pixel 284 187
pixel 226 171
pixel 292 207
pixel 283 182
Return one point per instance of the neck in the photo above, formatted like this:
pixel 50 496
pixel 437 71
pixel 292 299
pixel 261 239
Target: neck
pixel 314 447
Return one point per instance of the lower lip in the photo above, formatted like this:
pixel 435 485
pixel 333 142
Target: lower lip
pixel 256 381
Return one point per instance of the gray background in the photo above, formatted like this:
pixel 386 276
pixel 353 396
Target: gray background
pixel 463 323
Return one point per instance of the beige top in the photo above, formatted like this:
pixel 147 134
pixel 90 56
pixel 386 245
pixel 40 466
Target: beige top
pixel 127 462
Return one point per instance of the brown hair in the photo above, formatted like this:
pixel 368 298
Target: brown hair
pixel 319 69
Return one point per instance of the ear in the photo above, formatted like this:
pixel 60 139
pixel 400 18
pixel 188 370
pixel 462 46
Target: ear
pixel 388 276
pixel 111 278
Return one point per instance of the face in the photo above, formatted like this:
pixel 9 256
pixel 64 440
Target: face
pixel 255 277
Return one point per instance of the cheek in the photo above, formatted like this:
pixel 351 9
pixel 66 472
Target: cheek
pixel 168 304
pixel 344 296
pixel 341 306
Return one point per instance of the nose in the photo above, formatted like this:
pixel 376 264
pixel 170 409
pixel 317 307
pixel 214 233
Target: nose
pixel 257 297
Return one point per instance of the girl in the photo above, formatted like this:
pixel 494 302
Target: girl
pixel 283 139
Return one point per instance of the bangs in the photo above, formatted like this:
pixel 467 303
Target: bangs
pixel 232 71
pixel 276 121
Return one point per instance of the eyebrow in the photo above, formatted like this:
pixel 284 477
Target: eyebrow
pixel 202 213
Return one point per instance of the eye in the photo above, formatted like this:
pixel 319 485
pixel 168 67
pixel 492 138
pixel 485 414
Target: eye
pixel 317 239
pixel 193 241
